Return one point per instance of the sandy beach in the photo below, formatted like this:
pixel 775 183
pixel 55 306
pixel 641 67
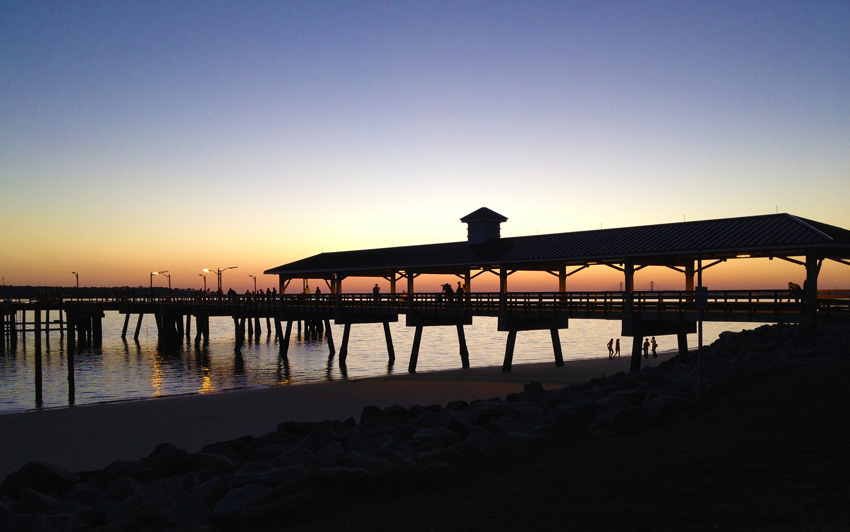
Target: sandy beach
pixel 91 437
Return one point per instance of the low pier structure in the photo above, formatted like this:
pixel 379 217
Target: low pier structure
pixel 689 248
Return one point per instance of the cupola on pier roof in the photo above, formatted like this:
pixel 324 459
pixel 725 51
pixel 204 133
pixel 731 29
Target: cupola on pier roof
pixel 483 225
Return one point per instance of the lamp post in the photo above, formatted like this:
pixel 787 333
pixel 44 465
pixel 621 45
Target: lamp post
pixel 77 275
pixel 255 282
pixel 152 274
pixel 218 272
pixel 205 282
pixel 164 272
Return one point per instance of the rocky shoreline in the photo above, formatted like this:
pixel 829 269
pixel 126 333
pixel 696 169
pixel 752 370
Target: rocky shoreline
pixel 244 481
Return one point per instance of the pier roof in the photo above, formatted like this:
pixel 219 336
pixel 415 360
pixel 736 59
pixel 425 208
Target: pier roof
pixel 774 235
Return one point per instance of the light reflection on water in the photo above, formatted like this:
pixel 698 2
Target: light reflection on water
pixel 129 369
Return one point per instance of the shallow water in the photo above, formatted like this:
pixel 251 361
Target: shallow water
pixel 129 369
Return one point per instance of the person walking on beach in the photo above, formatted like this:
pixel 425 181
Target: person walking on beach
pixel 654 347
pixel 617 348
pixel 646 348
pixel 611 348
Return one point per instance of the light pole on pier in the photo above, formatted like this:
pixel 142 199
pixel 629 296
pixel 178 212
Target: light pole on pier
pixel 77 275
pixel 164 272
pixel 205 282
pixel 218 272
pixel 255 282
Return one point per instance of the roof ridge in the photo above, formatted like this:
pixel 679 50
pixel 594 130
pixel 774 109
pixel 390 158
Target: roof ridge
pixel 805 222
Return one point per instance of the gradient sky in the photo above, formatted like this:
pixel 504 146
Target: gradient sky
pixel 157 135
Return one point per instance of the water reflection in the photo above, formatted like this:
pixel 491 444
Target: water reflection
pixel 144 367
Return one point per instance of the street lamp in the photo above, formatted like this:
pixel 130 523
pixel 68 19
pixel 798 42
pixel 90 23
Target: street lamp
pixel 218 272
pixel 77 275
pixel 152 274
pixel 205 281
pixel 255 282
pixel 164 272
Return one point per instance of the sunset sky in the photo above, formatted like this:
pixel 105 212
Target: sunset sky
pixel 140 136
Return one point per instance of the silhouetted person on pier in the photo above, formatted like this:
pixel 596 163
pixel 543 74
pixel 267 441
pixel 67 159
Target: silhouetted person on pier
pixel 646 348
pixel 654 347
pixel 794 292
pixel 611 348
pixel 617 348
pixel 450 294
pixel 459 292
pixel 376 292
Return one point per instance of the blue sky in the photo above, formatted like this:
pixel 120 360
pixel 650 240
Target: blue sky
pixel 137 136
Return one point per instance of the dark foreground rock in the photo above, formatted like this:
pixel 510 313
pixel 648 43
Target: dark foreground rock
pixel 249 480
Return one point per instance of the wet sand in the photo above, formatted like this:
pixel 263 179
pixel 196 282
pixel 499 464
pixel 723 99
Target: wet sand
pixel 90 437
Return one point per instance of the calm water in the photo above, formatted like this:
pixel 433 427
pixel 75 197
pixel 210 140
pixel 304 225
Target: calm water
pixel 127 369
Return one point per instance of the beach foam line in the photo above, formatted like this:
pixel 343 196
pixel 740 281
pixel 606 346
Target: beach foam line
pixel 91 437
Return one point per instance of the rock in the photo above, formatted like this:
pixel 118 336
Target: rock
pixel 534 386
pixel 367 461
pixel 38 476
pixel 319 439
pixel 219 462
pixel 482 443
pixel 238 499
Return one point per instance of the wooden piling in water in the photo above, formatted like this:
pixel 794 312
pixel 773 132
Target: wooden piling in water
pixel 138 326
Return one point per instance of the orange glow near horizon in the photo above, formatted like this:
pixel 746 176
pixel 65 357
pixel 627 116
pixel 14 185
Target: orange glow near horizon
pixel 735 274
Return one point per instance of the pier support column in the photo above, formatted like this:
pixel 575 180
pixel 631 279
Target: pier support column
pixel 414 352
pixel 138 327
pixel 637 343
pixel 284 344
pixel 343 350
pixel 38 372
pixel 509 350
pixel 278 330
pixel 556 346
pixel 389 338
pixel 72 327
pixel 464 351
pixel 330 336
pixel 682 339
pixel 97 329
pixel 202 324
pixel 2 332
pixel 239 325
pixel 126 325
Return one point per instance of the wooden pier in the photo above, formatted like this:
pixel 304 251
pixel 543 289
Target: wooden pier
pixel 641 313
pixel 689 248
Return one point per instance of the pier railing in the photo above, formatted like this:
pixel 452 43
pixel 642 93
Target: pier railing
pixel 719 305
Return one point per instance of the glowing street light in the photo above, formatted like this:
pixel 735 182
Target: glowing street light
pixel 77 275
pixel 255 282
pixel 218 272
pixel 164 272
pixel 205 281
